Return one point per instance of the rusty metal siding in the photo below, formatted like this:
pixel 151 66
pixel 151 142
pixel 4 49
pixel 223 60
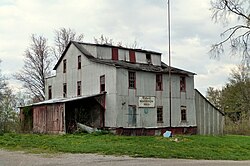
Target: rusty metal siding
pixel 48 119
pixel 210 121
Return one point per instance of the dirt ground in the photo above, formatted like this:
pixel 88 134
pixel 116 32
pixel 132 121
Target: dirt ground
pixel 10 158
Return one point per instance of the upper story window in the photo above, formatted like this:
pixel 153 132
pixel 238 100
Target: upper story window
pixel 64 65
pixel 132 56
pixel 78 88
pixel 148 58
pixel 159 82
pixel 79 64
pixel 64 90
pixel 159 115
pixel 131 80
pixel 102 83
pixel 183 113
pixel 114 53
pixel 50 92
pixel 182 84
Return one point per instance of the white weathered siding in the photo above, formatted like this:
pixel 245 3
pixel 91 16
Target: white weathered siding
pixel 145 86
pixel 210 121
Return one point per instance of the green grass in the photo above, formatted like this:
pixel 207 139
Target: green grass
pixel 186 147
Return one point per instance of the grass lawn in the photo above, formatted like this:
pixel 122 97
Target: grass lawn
pixel 228 147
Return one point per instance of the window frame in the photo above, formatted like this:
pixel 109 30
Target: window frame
pixel 131 80
pixel 78 88
pixel 159 116
pixel 159 82
pixel 50 92
pixel 115 54
pixel 148 58
pixel 64 65
pixel 102 83
pixel 182 83
pixel 64 90
pixel 183 114
pixel 79 62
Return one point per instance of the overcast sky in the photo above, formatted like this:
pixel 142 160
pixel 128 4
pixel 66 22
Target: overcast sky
pixel 192 31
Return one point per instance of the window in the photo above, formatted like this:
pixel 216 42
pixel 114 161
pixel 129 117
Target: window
pixel 159 82
pixel 182 84
pixel 132 56
pixel 159 115
pixel 114 53
pixel 132 115
pixel 79 62
pixel 78 88
pixel 64 65
pixel 183 113
pixel 64 90
pixel 148 58
pixel 102 83
pixel 132 80
pixel 50 92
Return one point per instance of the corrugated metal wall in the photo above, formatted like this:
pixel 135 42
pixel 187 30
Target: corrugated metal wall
pixel 49 118
pixel 210 120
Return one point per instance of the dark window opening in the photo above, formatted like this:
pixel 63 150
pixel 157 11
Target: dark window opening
pixel 132 56
pixel 102 83
pixel 50 92
pixel 159 115
pixel 183 113
pixel 148 58
pixel 182 84
pixel 114 53
pixel 132 115
pixel 132 80
pixel 79 62
pixel 64 65
pixel 78 88
pixel 159 82
pixel 64 90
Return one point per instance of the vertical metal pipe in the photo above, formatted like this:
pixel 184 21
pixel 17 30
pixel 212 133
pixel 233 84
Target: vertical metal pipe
pixel 169 68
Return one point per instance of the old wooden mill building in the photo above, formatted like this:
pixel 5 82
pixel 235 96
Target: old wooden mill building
pixel 120 89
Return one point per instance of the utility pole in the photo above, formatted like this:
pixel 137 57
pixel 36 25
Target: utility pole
pixel 169 69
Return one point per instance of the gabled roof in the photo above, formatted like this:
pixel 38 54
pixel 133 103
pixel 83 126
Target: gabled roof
pixel 124 64
pixel 86 53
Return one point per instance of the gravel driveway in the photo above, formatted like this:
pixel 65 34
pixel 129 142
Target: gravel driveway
pixel 9 158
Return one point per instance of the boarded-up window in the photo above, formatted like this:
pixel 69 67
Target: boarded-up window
pixel 182 84
pixel 131 80
pixel 148 58
pixel 132 115
pixel 159 82
pixel 64 65
pixel 114 53
pixel 79 64
pixel 64 90
pixel 50 92
pixel 78 88
pixel 132 56
pixel 159 115
pixel 102 83
pixel 183 113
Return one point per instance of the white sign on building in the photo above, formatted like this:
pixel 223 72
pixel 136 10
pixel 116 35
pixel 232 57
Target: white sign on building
pixel 147 102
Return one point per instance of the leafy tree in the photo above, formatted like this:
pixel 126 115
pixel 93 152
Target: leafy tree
pixel 37 66
pixel 2 84
pixel 238 36
pixel 214 96
pixel 234 98
pixel 62 38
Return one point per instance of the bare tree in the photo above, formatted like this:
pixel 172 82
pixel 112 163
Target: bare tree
pixel 109 41
pixel 62 38
pixel 37 64
pixel 238 36
pixel 2 84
